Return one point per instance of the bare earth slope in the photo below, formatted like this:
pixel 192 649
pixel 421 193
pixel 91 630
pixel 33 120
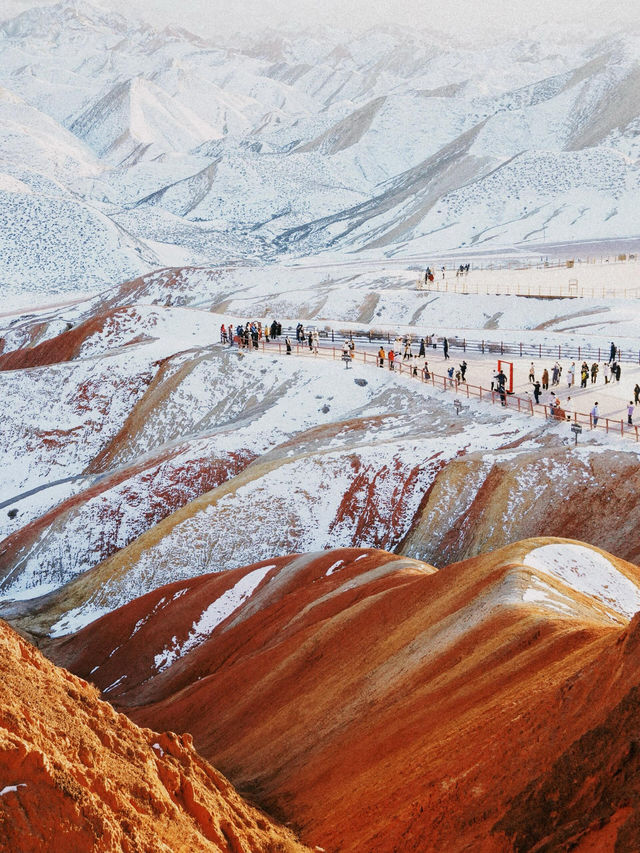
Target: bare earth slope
pixel 374 702
pixel 76 775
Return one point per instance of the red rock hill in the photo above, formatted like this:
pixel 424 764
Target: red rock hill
pixel 77 776
pixel 379 704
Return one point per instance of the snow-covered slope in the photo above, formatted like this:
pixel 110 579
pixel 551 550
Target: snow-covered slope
pixel 393 142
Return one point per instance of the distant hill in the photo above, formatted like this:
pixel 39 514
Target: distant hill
pixel 140 148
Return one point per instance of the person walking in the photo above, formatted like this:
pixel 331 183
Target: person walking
pixel 391 358
pixel 316 342
pixel 606 372
pixel 287 341
pixel 630 413
pixel 381 357
pixel 595 415
pixel 636 394
pixel 463 370
pixel 594 372
pixel 422 352
pixel 532 373
pixel 584 375
pixel 555 374
pixel 545 380
pixel 536 392
pixel 571 374
pixel 618 371
pixel 612 352
pixel 445 347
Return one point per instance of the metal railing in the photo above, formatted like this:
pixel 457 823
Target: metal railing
pixel 476 287
pixel 558 352
pixel 523 405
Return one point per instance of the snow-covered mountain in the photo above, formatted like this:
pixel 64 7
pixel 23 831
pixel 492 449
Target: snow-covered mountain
pixel 123 148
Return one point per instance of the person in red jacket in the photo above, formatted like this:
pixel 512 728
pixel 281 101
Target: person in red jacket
pixel 391 358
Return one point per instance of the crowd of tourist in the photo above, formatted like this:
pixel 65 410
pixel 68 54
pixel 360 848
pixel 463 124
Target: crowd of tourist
pixel 412 352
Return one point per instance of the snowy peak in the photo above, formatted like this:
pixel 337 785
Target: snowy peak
pixel 390 141
pixel 139 120
pixel 62 19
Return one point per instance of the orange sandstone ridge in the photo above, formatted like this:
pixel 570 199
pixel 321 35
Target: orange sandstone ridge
pixel 78 776
pixel 381 705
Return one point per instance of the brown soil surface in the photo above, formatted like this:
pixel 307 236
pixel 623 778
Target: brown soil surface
pixel 63 347
pixel 78 776
pixel 380 705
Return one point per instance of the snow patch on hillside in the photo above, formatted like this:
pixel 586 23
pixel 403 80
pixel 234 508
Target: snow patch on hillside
pixel 588 572
pixel 211 617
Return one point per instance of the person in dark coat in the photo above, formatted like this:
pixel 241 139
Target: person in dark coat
pixel 612 352
pixel 445 347
pixel 288 343
pixel 463 370
pixel 423 351
pixel 636 394
pixel 536 392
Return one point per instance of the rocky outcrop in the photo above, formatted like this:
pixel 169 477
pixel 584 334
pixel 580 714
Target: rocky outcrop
pixel 391 706
pixel 482 502
pixel 76 775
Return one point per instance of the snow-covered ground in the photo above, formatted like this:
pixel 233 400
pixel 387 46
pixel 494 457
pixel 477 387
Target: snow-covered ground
pixel 178 150
pixel 266 175
pixel 589 572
